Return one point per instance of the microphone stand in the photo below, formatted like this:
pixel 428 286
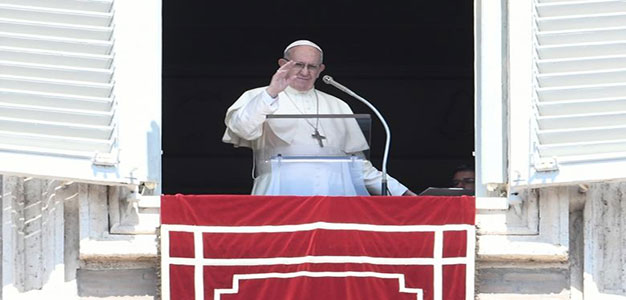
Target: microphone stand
pixel 329 80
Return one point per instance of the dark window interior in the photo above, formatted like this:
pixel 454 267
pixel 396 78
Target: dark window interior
pixel 412 59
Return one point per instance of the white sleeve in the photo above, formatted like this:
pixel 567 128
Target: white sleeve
pixel 247 121
pixel 373 181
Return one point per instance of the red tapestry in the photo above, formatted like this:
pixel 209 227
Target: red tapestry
pixel 330 248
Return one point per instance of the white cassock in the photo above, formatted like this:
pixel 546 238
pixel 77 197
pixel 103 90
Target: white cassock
pixel 247 126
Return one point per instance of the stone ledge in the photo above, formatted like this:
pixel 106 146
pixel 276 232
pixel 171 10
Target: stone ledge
pixel 114 252
pixel 153 202
pixel 134 229
pixel 492 203
pixel 517 249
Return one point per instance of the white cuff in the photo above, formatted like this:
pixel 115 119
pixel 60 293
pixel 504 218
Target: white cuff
pixel 267 98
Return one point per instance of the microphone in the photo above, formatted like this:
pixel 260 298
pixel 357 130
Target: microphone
pixel 329 80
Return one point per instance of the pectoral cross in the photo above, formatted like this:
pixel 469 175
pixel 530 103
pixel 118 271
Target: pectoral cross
pixel 318 137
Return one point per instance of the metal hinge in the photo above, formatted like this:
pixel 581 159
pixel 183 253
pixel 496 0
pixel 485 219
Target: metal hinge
pixel 106 159
pixel 546 165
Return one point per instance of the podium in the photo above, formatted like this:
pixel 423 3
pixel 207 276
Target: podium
pixel 332 176
pixel 317 154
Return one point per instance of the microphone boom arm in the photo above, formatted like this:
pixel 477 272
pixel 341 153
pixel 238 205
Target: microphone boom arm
pixel 329 80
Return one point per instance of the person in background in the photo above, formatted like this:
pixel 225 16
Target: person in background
pixel 464 177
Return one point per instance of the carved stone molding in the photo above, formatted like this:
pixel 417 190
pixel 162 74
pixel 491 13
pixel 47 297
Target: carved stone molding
pixel 537 229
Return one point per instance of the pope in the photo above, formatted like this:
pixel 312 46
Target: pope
pixel 292 92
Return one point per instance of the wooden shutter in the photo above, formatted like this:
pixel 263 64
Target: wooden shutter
pixel 576 118
pixel 59 114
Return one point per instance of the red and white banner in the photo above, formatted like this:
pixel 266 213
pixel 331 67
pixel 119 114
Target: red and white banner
pixel 283 247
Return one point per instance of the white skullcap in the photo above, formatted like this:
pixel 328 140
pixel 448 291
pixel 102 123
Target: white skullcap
pixel 302 43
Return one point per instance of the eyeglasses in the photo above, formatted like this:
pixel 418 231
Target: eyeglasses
pixel 464 181
pixel 300 65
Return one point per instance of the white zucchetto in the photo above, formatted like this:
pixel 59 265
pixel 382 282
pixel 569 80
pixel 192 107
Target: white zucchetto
pixel 302 43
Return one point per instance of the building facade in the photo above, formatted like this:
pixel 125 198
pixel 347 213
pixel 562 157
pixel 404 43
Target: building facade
pixel 80 148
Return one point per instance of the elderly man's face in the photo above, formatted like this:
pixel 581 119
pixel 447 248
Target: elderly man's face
pixel 308 67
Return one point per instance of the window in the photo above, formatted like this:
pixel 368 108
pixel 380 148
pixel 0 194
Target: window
pixel 565 82
pixel 80 90
pixel 574 101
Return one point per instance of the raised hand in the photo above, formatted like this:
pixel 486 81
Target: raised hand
pixel 282 78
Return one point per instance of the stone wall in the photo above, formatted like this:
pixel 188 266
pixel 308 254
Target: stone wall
pixel 56 240
pixel 33 232
pixel 576 252
pixel 604 231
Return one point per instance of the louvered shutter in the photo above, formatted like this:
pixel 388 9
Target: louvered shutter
pixel 62 113
pixel 568 91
